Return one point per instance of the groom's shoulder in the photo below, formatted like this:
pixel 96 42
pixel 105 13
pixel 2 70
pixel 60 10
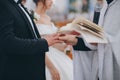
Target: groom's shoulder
pixel 5 14
pixel 3 4
pixel 3 1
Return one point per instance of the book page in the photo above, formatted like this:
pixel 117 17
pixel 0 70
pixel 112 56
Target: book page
pixel 81 28
pixel 90 38
pixel 86 24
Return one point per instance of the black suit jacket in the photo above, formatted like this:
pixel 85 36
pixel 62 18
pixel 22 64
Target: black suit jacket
pixel 22 55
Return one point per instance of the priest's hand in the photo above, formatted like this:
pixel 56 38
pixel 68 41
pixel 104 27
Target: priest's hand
pixel 69 39
pixel 52 39
pixel 95 44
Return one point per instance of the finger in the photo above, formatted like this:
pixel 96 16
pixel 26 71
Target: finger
pixel 62 35
pixel 58 41
pixel 64 38
pixel 75 33
pixel 56 37
pixel 58 77
pixel 55 34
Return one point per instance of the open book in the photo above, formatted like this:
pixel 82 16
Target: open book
pixel 90 32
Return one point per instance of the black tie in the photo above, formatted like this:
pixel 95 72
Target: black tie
pixel 109 1
pixel 97 12
pixel 96 17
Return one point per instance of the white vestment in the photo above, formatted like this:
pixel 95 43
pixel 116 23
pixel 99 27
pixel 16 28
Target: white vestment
pixel 104 62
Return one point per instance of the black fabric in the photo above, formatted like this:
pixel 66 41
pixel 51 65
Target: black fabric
pixel 22 55
pixel 19 1
pixel 109 1
pixel 37 33
pixel 96 17
pixel 81 45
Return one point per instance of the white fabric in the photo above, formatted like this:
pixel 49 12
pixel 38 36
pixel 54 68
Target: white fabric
pixel 110 70
pixel 105 61
pixel 61 61
pixel 30 5
pixel 85 65
pixel 16 1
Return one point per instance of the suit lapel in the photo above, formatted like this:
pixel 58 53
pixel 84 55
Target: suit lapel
pixel 23 16
pixel 34 25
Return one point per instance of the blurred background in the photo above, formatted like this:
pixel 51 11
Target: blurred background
pixel 64 11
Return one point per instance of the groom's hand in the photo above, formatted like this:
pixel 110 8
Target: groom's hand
pixel 52 39
pixel 69 39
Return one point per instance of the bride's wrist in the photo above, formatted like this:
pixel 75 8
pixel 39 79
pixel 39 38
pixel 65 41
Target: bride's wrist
pixel 75 41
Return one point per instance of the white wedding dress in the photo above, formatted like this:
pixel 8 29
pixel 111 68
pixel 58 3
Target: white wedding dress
pixel 60 60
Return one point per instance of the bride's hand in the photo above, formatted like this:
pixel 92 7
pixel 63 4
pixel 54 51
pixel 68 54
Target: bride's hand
pixel 52 39
pixel 54 73
pixel 69 39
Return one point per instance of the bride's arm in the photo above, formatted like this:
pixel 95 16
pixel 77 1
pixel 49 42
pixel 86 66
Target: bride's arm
pixel 60 46
pixel 54 72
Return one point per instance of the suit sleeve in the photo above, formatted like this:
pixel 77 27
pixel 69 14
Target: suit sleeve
pixel 11 44
pixel 81 45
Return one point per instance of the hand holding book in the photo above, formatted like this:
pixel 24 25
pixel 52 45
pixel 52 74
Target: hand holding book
pixel 90 32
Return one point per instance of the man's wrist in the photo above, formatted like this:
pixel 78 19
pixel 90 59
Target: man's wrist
pixel 80 45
